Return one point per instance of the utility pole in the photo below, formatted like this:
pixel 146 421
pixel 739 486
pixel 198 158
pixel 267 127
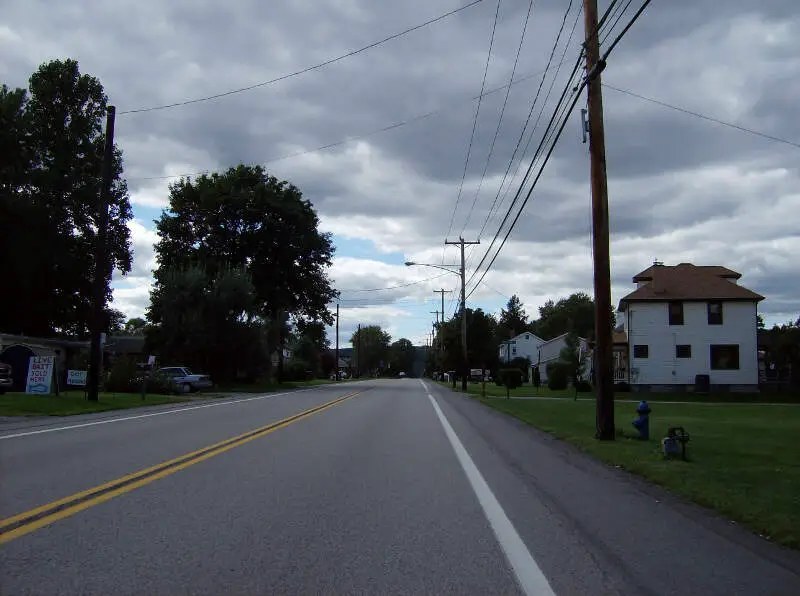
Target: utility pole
pixel 465 362
pixel 441 343
pixel 604 382
pixel 336 369
pixel 101 262
pixel 358 352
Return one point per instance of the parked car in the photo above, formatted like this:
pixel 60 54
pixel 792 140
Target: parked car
pixel 184 380
pixel 5 377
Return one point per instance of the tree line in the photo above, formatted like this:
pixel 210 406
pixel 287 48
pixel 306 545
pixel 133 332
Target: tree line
pixel 242 268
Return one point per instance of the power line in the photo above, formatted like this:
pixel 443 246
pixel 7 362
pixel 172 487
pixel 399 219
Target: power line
pixel 530 113
pixel 413 283
pixel 704 116
pixel 530 137
pixel 474 123
pixel 619 14
pixel 502 113
pixel 625 29
pixel 576 93
pixel 348 139
pixel 304 70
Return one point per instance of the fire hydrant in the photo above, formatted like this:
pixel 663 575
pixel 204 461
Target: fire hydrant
pixel 642 423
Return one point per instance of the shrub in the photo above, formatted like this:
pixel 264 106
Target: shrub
pixel 583 386
pixel 622 387
pixel 124 377
pixel 557 376
pixel 512 378
pixel 537 378
pixel 295 370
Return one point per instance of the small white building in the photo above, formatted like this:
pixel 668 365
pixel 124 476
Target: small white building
pixel 686 321
pixel 549 351
pixel 524 345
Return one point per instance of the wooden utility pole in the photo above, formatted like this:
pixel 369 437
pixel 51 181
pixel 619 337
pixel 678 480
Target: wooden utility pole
pixel 441 343
pixel 604 381
pixel 358 352
pixel 464 354
pixel 101 262
pixel 336 369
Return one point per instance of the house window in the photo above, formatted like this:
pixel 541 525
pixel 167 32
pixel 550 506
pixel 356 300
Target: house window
pixel 513 350
pixel 715 313
pixel 683 351
pixel 641 351
pixel 725 357
pixel 676 313
pixel 527 337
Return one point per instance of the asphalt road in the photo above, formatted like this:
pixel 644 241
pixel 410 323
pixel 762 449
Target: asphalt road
pixel 403 488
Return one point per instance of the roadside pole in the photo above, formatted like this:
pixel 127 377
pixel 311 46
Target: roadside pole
pixel 464 354
pixel 336 368
pixel 604 386
pixel 101 262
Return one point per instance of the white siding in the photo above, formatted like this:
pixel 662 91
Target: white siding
pixel 550 351
pixel 525 345
pixel 649 325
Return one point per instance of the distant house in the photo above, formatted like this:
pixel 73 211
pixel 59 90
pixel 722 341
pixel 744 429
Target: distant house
pixel 550 351
pixel 524 345
pixel 686 322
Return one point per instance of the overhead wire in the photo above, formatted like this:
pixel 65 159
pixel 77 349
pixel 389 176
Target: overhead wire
pixel 304 70
pixel 527 120
pixel 502 113
pixel 530 138
pixel 576 96
pixel 474 122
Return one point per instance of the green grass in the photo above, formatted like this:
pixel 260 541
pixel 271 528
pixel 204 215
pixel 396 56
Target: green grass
pixel 493 390
pixel 68 404
pixel 744 460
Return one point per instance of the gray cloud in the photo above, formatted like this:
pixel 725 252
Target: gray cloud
pixel 680 188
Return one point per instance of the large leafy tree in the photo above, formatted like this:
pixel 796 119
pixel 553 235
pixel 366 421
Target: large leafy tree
pixel 481 341
pixel 244 218
pixel 402 356
pixel 206 322
pixel 513 319
pixel 574 313
pixel 370 348
pixel 50 173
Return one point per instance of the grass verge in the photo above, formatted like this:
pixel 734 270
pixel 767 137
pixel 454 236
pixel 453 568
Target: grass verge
pixel 493 390
pixel 743 459
pixel 68 404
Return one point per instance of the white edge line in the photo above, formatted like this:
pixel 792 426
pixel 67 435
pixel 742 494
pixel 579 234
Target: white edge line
pixel 529 575
pixel 177 410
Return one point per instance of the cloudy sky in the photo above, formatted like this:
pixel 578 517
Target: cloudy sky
pixel 681 188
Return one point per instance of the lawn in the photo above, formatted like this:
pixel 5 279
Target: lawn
pixel 744 460
pixel 493 390
pixel 21 404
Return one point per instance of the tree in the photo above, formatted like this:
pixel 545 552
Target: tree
pixel 760 322
pixel 116 321
pixel 576 313
pixel 314 331
pixel 135 326
pixel 246 220
pixel 327 363
pixel 570 357
pixel 513 319
pixel 207 322
pixel 537 378
pixel 481 341
pixel 49 186
pixel 401 356
pixel 370 348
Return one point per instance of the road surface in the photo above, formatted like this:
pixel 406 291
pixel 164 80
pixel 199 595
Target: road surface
pixel 376 487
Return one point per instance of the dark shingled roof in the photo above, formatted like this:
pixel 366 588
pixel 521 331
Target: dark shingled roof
pixel 688 282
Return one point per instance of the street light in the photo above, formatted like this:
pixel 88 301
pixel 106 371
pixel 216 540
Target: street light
pixel 460 272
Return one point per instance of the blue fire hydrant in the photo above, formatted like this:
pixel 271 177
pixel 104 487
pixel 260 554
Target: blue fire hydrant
pixel 642 423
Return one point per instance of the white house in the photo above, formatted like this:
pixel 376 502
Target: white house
pixel 524 345
pixel 686 321
pixel 550 350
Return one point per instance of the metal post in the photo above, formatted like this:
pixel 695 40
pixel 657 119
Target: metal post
pixel 336 369
pixel 600 228
pixel 101 261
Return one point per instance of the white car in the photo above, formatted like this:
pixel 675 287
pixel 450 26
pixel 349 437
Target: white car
pixel 184 380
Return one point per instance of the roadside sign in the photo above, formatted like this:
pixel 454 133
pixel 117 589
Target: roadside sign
pixel 40 374
pixel 76 378
pixel 151 360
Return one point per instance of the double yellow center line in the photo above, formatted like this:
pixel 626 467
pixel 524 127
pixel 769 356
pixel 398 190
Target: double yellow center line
pixel 29 521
